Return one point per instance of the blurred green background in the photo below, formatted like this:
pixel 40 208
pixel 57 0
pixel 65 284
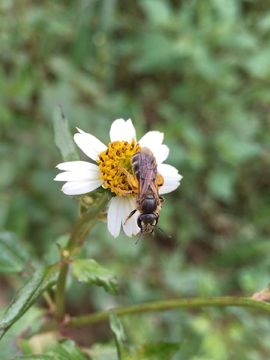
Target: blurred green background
pixel 197 70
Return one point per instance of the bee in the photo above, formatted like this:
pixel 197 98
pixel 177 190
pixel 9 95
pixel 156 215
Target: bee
pixel 146 180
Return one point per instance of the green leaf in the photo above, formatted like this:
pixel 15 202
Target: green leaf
pixel 62 135
pixel 28 324
pixel 117 327
pixel 103 352
pixel 119 337
pixel 13 257
pixel 66 350
pixel 88 271
pixel 28 295
pixel 156 351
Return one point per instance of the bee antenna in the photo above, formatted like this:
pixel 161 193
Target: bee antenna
pixel 164 232
pixel 139 238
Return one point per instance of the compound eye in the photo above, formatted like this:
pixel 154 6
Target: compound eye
pixel 148 218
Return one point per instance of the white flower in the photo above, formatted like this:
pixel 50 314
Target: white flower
pixel 83 177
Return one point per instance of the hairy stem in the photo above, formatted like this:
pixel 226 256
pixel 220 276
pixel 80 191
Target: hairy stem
pixel 164 305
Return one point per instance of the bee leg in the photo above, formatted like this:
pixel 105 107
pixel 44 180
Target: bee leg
pixel 161 199
pixel 133 182
pixel 124 171
pixel 124 192
pixel 130 215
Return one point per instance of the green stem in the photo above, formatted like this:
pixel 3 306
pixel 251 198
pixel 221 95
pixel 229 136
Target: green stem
pixel 164 305
pixel 49 301
pixel 76 239
pixel 169 305
pixel 60 293
pixel 84 220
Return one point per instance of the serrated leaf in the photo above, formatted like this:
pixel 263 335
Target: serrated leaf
pixel 27 295
pixel 62 135
pixel 13 257
pixel 88 271
pixel 156 351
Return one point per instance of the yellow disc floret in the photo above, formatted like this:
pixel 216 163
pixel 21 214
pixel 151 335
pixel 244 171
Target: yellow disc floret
pixel 111 164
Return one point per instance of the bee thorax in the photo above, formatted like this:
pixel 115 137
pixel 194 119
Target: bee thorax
pixel 149 204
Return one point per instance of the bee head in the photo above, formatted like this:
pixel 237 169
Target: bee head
pixel 147 223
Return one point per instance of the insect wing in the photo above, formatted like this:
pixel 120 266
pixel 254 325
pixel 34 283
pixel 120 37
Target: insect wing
pixel 147 171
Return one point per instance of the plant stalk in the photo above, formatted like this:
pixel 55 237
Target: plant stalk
pixel 222 301
pixel 76 240
pixel 78 228
pixel 60 293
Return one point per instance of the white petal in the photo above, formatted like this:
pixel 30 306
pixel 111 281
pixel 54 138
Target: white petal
pixel 115 215
pixel 81 187
pixel 152 140
pixel 171 178
pixel 130 131
pixel 89 144
pixel 167 189
pixel 77 165
pixel 122 130
pixel 161 153
pixel 131 227
pixel 78 175
pixel 167 170
pixel 172 181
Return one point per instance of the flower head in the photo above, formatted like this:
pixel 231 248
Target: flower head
pixel 82 177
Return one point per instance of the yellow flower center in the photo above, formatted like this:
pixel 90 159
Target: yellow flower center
pixel 112 161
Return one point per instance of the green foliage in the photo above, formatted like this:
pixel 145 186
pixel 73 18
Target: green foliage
pixel 66 350
pixel 28 324
pixel 147 351
pixel 119 337
pixel 196 70
pixel 88 271
pixel 63 139
pixel 13 257
pixel 160 351
pixel 26 296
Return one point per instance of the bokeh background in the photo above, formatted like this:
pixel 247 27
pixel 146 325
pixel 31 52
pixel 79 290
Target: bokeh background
pixel 197 70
